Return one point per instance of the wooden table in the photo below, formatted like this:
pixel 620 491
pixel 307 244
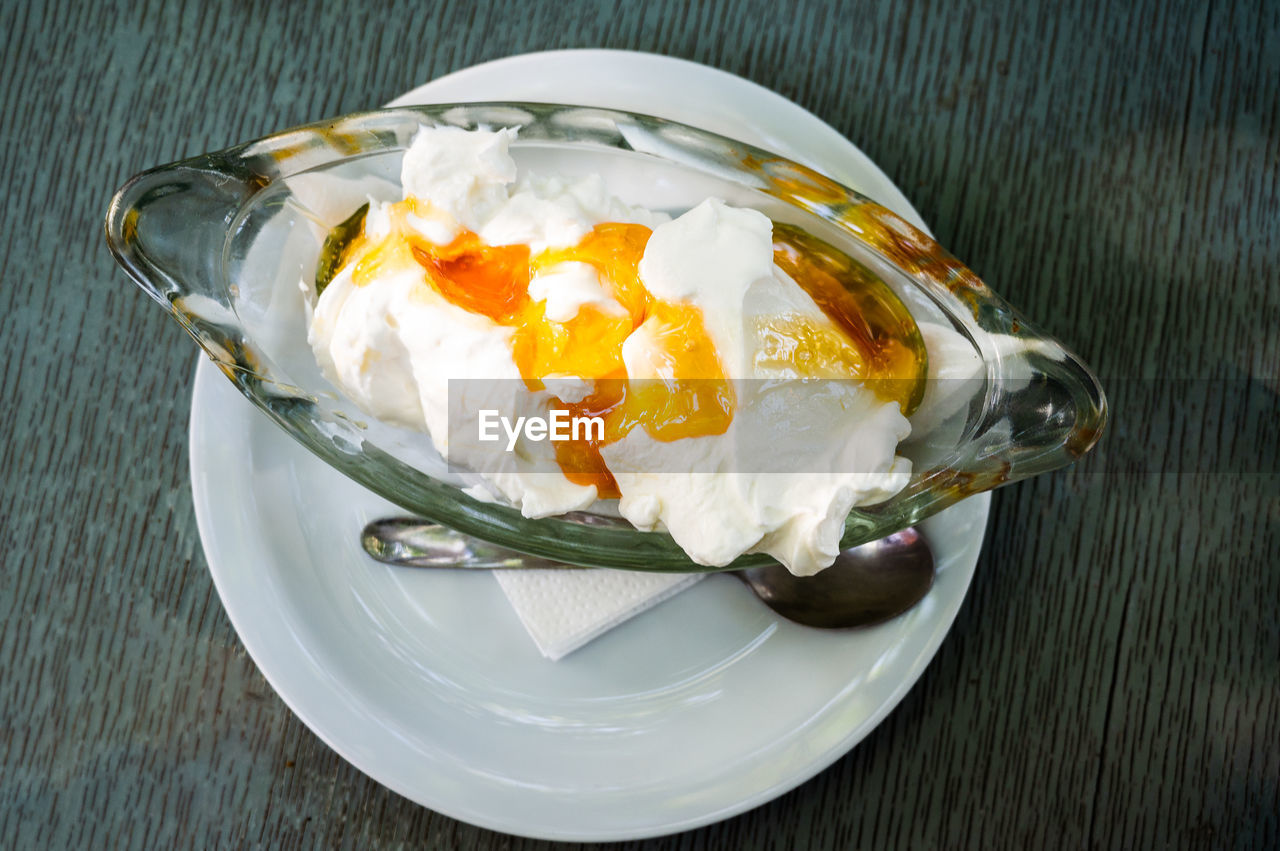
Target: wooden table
pixel 1113 678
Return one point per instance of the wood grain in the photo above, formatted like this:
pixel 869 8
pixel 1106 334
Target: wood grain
pixel 1113 169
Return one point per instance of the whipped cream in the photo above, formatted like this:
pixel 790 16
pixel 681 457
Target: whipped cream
pixel 392 344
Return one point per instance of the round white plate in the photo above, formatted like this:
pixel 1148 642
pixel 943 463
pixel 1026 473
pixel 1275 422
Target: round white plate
pixel 700 708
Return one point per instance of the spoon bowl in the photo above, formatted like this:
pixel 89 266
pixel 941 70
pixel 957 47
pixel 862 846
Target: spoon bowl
pixel 866 585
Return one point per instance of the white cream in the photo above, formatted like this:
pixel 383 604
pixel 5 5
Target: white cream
pixel 711 256
pixel 463 174
pixel 566 288
pixel 796 457
pixel 392 347
pixel 392 344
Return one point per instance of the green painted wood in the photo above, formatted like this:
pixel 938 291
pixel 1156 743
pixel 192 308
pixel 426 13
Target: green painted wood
pixel 1114 169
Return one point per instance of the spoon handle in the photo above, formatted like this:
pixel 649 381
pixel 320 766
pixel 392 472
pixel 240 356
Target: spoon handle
pixel 410 542
pixel 867 584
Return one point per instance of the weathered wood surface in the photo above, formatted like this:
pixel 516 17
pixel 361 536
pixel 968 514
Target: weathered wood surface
pixel 1114 169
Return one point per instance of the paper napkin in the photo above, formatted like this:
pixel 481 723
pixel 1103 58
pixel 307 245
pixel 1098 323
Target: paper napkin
pixel 564 609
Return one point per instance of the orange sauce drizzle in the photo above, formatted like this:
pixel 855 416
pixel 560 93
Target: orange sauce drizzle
pixel 692 396
pixel 887 352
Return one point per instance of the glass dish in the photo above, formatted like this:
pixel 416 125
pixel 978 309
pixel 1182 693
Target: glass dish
pixel 223 241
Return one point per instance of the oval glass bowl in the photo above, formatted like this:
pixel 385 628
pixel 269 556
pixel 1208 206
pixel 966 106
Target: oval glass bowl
pixel 224 240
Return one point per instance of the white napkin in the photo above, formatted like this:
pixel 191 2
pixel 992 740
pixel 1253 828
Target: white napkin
pixel 564 609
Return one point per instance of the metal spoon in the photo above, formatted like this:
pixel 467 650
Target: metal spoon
pixel 866 585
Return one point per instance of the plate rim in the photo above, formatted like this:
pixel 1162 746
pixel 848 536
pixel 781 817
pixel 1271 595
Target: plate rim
pixel 894 198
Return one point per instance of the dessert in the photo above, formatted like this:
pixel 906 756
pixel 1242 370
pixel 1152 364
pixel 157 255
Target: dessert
pixel 739 383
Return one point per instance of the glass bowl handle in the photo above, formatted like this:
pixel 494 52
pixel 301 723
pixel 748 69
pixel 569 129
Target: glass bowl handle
pixel 168 228
pixel 1042 410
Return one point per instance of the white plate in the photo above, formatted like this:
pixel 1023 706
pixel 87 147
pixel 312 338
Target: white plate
pixel 701 708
